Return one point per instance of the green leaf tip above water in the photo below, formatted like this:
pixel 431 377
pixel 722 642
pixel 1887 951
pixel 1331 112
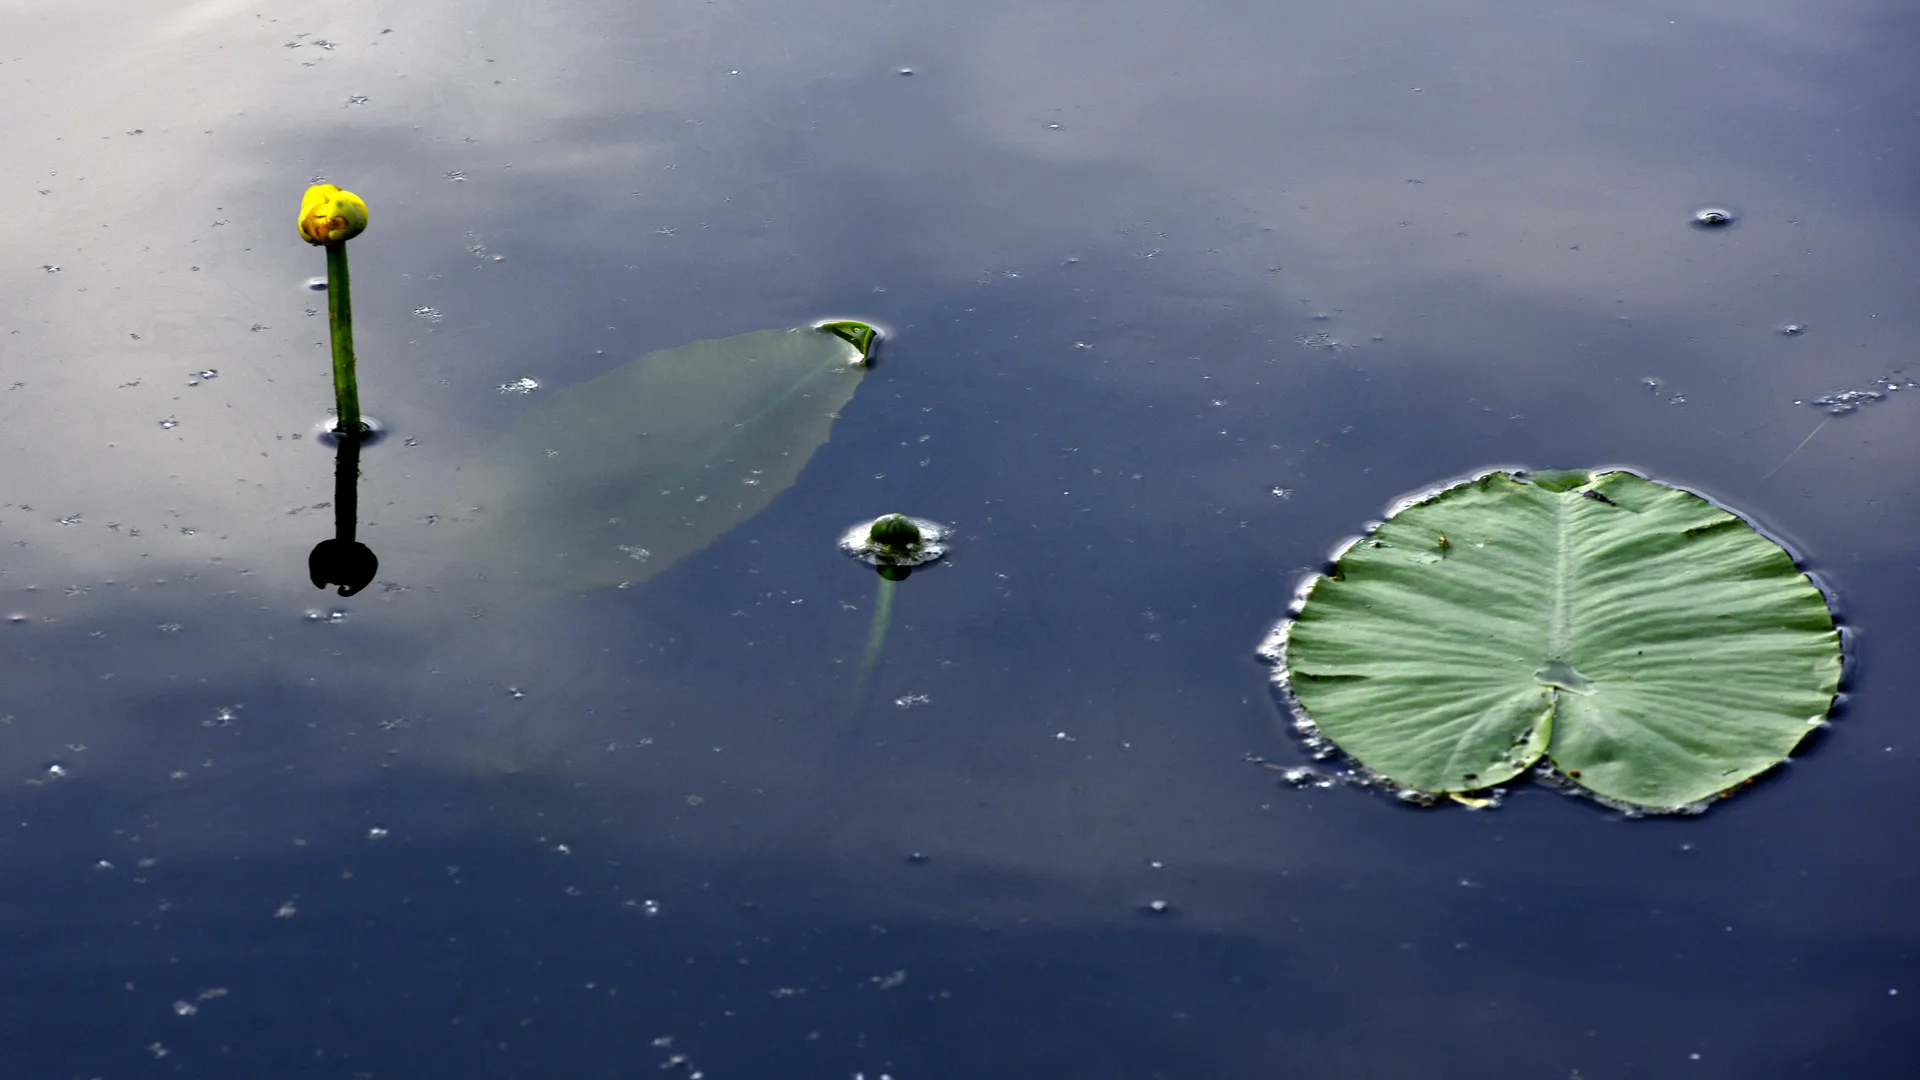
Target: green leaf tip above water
pixel 614 480
pixel 1655 648
pixel 861 336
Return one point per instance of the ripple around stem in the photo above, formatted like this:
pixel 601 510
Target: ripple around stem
pixel 372 431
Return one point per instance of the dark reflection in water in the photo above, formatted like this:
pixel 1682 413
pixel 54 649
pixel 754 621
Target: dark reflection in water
pixel 343 560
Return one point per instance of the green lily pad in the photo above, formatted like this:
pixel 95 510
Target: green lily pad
pixel 616 479
pixel 1656 649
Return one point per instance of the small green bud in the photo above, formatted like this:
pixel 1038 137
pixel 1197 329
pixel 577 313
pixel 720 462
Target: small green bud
pixel 895 532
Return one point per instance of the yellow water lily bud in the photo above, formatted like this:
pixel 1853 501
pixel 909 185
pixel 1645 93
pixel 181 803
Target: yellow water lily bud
pixel 328 214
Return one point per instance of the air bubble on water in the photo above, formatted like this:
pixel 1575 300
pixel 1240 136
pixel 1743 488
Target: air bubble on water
pixel 522 385
pixel 456 175
pixel 516 693
pixel 431 314
pixel 378 832
pixel 185 1008
pixel 1713 217
pixel 648 907
pixel 906 71
pixel 356 99
pixel 1793 329
pixel 1652 384
pixel 170 423
pixel 1157 907
pixel 224 716
pixel 317 284
pixel 287 910
pixel 918 858
pixel 1280 492
pixel 908 701
pixel 1677 399
pixel 18 618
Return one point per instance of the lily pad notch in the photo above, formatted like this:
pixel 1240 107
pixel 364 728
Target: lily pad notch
pixel 1612 633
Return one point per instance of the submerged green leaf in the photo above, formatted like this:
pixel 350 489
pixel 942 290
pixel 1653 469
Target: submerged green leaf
pixel 1656 648
pixel 616 479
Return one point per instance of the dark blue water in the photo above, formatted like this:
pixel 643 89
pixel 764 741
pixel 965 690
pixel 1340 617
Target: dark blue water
pixel 1179 298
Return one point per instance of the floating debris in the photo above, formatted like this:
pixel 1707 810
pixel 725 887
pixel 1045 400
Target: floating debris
pixel 1842 402
pixel 1322 340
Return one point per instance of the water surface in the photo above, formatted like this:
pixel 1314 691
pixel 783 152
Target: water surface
pixel 1180 298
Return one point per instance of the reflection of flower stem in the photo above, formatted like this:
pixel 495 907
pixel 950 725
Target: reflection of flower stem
pixel 346 388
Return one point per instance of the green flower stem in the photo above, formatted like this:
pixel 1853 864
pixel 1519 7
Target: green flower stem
pixel 876 638
pixel 346 388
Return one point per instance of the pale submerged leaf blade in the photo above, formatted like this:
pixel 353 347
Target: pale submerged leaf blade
pixel 616 479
